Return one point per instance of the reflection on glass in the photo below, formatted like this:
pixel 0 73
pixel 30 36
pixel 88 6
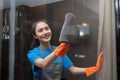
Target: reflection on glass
pixel 84 29
pixel 28 11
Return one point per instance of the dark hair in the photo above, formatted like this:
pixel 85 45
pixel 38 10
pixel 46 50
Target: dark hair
pixel 35 42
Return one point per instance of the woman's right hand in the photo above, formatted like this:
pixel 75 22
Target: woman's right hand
pixel 62 49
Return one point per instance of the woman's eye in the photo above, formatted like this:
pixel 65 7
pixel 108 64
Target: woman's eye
pixel 40 30
pixel 46 28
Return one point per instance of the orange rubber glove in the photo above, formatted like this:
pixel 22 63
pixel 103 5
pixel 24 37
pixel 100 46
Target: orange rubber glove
pixel 62 49
pixel 92 70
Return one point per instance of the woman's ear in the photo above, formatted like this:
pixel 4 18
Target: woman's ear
pixel 34 36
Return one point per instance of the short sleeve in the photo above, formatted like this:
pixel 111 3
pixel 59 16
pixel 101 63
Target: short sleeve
pixel 67 63
pixel 33 55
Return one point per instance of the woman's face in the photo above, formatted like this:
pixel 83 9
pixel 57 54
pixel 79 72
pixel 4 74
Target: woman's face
pixel 43 32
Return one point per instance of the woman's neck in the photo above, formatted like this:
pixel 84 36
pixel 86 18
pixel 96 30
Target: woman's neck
pixel 45 45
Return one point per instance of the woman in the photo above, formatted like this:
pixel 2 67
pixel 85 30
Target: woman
pixel 48 61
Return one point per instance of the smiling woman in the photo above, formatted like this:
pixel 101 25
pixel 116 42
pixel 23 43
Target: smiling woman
pixel 46 58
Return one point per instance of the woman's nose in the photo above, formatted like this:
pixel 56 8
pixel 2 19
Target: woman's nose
pixel 44 31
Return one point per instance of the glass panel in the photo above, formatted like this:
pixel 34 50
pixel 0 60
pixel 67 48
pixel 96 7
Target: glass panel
pixel 83 51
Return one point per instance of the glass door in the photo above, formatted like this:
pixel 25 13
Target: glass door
pixel 16 21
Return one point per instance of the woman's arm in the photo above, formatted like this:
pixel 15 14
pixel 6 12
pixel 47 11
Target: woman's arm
pixel 46 62
pixel 60 51
pixel 77 70
pixel 89 70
